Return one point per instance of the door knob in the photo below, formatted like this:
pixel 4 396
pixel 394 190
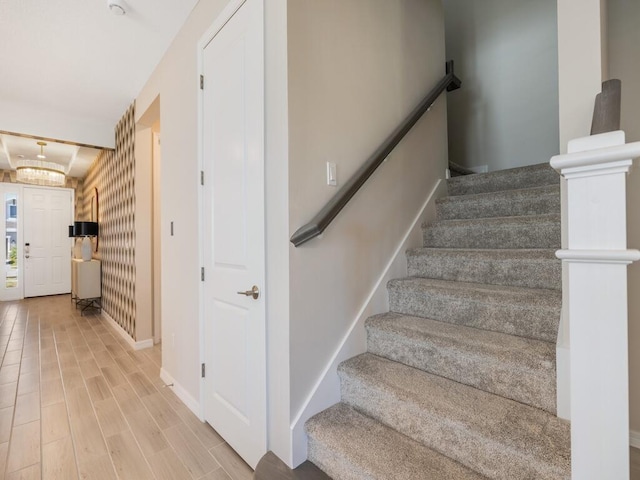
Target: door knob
pixel 254 292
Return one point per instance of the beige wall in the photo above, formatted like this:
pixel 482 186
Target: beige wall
pixel 174 82
pixel 624 39
pixel 506 54
pixel 356 69
pixel 581 66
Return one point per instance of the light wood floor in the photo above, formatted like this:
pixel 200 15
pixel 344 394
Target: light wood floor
pixel 77 402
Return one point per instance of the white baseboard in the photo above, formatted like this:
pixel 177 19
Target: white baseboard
pixel 191 403
pixel 326 390
pixel 634 439
pixel 479 168
pixel 120 331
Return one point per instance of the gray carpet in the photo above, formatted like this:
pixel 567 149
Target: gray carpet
pixel 460 376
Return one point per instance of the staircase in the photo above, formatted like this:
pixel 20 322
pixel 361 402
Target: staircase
pixel 459 380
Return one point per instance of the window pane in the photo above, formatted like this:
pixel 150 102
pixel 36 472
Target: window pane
pixel 11 239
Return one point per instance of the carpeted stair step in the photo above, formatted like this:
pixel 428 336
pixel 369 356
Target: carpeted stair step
pixel 518 368
pixel 528 201
pixel 532 231
pixel 526 312
pixel 494 436
pixel 511 179
pixel 350 446
pixel 535 268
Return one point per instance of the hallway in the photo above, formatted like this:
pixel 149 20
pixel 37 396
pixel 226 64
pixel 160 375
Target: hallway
pixel 77 402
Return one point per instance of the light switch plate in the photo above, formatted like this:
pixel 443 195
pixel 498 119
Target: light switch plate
pixel 332 174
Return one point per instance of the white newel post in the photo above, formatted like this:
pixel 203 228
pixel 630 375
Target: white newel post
pixel 597 257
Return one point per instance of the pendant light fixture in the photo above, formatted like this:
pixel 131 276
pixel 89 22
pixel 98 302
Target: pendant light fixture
pixel 38 172
pixel 42 156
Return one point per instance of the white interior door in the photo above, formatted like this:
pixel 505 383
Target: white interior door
pixel 47 249
pixel 233 232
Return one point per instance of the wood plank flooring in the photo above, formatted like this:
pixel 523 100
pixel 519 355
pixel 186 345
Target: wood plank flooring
pixel 76 402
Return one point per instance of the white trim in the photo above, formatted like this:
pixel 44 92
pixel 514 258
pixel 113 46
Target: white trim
pixel 190 402
pixel 121 331
pixel 598 157
pixel 599 256
pixel 221 20
pixel 634 439
pixel 479 168
pixel 326 390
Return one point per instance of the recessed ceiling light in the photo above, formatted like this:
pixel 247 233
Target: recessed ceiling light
pixel 116 7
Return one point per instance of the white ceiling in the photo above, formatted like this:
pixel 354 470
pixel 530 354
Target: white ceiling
pixel 76 58
pixel 75 159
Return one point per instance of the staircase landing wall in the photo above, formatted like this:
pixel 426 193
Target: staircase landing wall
pixel 356 69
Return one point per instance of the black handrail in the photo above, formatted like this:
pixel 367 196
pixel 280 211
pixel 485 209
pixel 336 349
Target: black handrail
pixel 323 218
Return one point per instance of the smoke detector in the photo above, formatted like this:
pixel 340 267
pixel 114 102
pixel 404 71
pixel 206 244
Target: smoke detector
pixel 116 7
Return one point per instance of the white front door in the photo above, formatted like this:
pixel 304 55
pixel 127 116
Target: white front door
pixel 47 250
pixel 233 232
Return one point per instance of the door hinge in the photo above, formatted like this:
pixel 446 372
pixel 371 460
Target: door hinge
pixel 202 274
pixel 201 177
pixel 201 82
pixel 202 370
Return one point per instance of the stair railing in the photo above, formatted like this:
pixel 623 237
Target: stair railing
pixel 324 217
pixel 595 287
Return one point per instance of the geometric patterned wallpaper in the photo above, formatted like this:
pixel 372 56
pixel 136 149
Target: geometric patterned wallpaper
pixel 112 174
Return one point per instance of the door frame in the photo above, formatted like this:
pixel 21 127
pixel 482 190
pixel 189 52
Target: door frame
pixel 221 20
pixel 5 187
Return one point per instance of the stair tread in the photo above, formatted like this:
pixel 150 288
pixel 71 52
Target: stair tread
pixel 510 179
pixel 346 444
pixel 526 231
pixel 483 292
pixel 461 420
pixel 528 353
pixel 519 368
pixel 531 192
pixel 526 312
pixel 527 201
pixel 550 218
pixel 493 254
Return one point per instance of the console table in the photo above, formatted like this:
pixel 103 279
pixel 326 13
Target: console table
pixel 86 289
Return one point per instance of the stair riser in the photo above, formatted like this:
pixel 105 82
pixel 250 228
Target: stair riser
pixel 502 207
pixel 486 455
pixel 331 462
pixel 505 180
pixel 516 273
pixel 544 235
pixel 535 387
pixel 525 320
